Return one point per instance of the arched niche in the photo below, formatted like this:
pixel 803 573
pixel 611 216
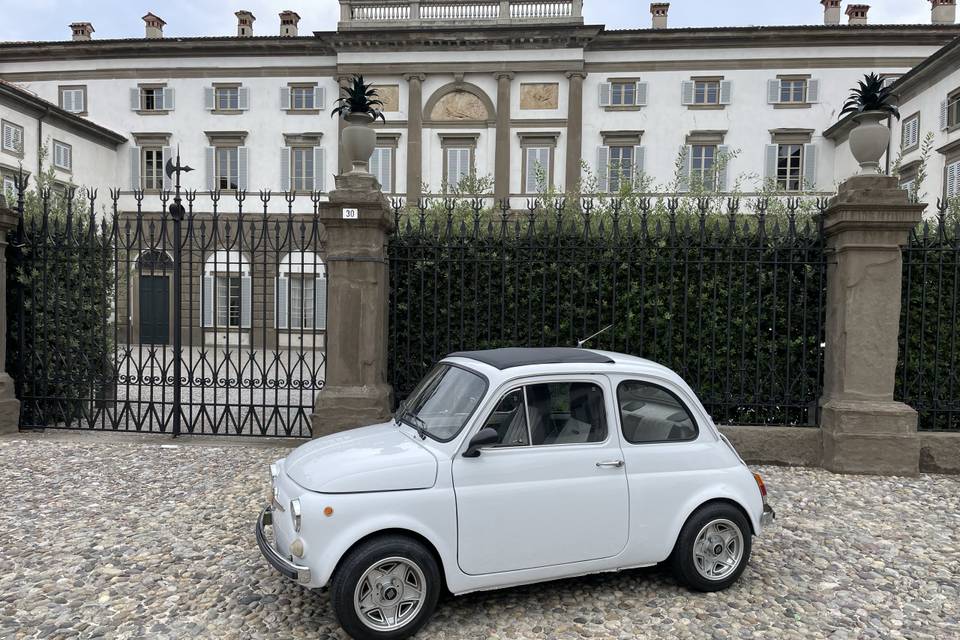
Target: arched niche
pixel 459 102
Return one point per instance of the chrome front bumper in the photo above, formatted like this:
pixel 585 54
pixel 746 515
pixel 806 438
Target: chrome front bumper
pixel 293 571
pixel 768 516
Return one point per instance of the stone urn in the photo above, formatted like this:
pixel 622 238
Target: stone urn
pixel 869 140
pixel 358 141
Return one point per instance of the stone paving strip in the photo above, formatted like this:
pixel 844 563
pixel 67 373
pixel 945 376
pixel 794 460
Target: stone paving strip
pixel 132 538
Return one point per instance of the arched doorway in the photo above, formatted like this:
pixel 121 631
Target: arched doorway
pixel 154 268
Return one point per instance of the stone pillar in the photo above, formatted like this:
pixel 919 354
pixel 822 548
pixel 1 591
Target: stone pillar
pixel 574 130
pixel 501 171
pixel 864 430
pixel 355 390
pixel 414 135
pixel 9 405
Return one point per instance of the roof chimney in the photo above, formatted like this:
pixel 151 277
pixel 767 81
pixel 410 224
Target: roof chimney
pixel 831 11
pixel 659 12
pixel 154 26
pixel 944 11
pixel 857 13
pixel 288 23
pixel 81 30
pixel 244 23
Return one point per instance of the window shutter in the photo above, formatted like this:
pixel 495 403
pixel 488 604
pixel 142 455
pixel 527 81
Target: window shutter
pixel 452 166
pixel 770 162
pixel 640 96
pixel 7 137
pixel 773 92
pixel 944 120
pixel 206 301
pixel 79 101
pixel 168 98
pixel 686 92
pixel 134 168
pixel 813 91
pixel 387 160
pixel 285 169
pixel 726 91
pixel 67 101
pixel 953 180
pixel 374 166
pixel 318 97
pixel 723 158
pixel 283 287
pixel 605 91
pixel 135 99
pixel 810 167
pixel 320 301
pixel 211 169
pixel 167 155
pixel 638 163
pixel 208 99
pixel 242 173
pixel 243 98
pixel 530 180
pixel 683 183
pixel 285 98
pixel 319 169
pixel 603 168
pixel 246 300
pixel 68 157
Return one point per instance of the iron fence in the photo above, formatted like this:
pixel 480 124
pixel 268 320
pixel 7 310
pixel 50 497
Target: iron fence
pixel 728 293
pixel 140 319
pixel 927 367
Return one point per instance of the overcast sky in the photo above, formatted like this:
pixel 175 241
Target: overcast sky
pixel 48 19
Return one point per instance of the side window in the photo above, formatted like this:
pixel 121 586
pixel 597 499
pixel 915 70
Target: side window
pixel 652 414
pixel 566 413
pixel 509 420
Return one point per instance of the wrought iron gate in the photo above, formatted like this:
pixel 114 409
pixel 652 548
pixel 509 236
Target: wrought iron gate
pixel 241 349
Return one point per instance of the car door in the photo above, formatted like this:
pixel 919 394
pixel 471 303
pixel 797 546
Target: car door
pixel 554 490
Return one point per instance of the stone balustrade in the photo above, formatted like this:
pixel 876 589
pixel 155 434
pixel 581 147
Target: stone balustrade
pixel 365 14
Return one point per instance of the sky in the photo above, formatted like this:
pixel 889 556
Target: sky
pixel 49 19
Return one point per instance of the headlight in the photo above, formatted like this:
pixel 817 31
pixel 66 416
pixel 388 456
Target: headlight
pixel 295 514
pixel 274 471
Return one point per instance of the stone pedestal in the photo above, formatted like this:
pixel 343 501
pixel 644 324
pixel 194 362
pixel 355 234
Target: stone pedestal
pixel 864 430
pixel 9 405
pixel 355 390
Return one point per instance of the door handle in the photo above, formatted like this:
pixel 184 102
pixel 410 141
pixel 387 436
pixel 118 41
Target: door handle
pixel 612 464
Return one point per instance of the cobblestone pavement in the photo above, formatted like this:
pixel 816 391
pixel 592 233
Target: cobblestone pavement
pixel 131 539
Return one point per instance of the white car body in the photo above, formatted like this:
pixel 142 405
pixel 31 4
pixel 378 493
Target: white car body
pixel 510 516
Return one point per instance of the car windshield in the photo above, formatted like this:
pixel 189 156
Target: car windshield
pixel 443 401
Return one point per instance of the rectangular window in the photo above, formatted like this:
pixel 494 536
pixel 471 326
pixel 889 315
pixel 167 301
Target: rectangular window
pixel 62 155
pixel 649 413
pixel 302 303
pixel 537 178
pixel 706 92
pixel 703 160
pixel 152 168
pixel 227 98
pixel 953 110
pixel 151 98
pixel 381 166
pixel 458 165
pixel 620 168
pixel 227 170
pixel 12 137
pixel 301 168
pixel 73 99
pixel 302 98
pixel 793 91
pixel 9 189
pixel 910 132
pixel 623 94
pixel 790 167
pixel 228 295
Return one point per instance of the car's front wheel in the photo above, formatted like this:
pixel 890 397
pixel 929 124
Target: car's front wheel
pixel 385 589
pixel 713 548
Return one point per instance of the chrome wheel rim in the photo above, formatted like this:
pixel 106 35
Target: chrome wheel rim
pixel 390 594
pixel 718 549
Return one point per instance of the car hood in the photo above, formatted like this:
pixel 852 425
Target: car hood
pixel 376 458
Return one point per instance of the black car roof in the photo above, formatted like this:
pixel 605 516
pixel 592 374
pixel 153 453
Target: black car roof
pixel 520 356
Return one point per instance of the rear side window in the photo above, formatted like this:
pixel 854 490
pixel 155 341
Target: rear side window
pixel 650 413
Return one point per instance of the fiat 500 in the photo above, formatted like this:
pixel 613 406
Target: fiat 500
pixel 506 467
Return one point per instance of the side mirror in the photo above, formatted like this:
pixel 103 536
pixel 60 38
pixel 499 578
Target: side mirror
pixel 484 438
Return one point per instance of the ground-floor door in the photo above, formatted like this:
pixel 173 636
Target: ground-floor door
pixel 154 309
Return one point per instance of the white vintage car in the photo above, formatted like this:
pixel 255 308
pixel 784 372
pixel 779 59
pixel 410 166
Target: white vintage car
pixel 507 467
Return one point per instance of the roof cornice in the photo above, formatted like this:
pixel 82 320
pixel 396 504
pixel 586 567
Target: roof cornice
pixel 50 112
pixel 459 38
pixel 944 61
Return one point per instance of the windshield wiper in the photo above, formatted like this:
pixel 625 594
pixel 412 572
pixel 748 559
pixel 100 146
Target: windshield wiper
pixel 403 412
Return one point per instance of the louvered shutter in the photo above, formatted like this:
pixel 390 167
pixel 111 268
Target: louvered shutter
pixel 243 98
pixel 168 99
pixel 453 168
pixel 319 94
pixel 640 96
pixel 813 91
pixel 206 301
pixel 285 98
pixel 944 119
pixel 7 137
pixel 605 90
pixel 686 157
pixel 319 169
pixel 246 301
pixel 79 101
pixel 953 180
pixel 135 99
pixel 381 166
pixel 537 158
pixel 68 102
pixel 603 169
pixel 639 159
pixel 134 168
pixel 374 165
pixel 773 91
pixel 242 168
pixel 283 310
pixel 810 167
pixel 285 153
pixel 320 300
pixel 726 91
pixel 722 160
pixel 167 155
pixel 770 162
pixel 211 169
pixel 686 92
pixel 209 98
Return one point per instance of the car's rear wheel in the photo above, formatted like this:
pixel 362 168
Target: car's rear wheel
pixel 713 548
pixel 385 588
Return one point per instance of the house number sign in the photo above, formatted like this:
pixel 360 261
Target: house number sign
pixel 350 214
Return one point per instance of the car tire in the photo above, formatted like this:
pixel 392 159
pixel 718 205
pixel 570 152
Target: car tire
pixel 385 588
pixel 713 548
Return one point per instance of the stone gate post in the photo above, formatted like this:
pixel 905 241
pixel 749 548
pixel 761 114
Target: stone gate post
pixel 357 220
pixel 9 405
pixel 864 430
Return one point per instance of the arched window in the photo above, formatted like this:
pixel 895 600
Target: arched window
pixel 301 292
pixel 154 260
pixel 226 292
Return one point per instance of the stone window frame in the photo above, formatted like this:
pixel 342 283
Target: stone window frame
pixel 953 110
pixel 707 106
pixel 141 87
pixel 143 167
pixel 908 173
pixel 217 86
pixel 623 80
pixel 537 140
pixel 793 77
pixel 11 172
pixel 73 87
pixel 458 141
pixel 621 139
pixel 302 85
pixel 793 137
pixel 53 155
pixel 903 131
pixel 706 138
pixel 392 141
pixel 226 140
pixel 18 153
pixel 150 140
pixel 951 156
